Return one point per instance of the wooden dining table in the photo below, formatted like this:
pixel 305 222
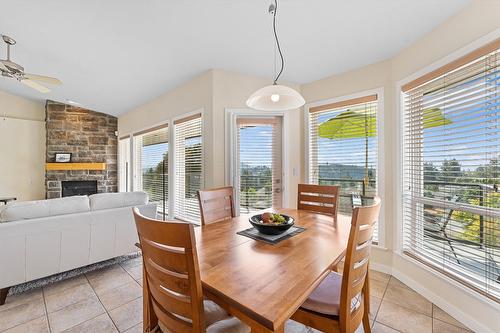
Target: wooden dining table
pixel 264 284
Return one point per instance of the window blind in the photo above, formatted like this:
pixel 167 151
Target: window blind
pixel 124 164
pixel 451 170
pixel 151 166
pixel 259 163
pixel 188 178
pixel 343 149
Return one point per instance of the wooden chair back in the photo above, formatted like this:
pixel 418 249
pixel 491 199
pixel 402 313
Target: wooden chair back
pixel 172 277
pixel 354 295
pixel 216 204
pixel 321 199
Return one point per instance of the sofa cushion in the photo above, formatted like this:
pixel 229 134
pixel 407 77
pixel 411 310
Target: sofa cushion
pixel 117 200
pixel 25 210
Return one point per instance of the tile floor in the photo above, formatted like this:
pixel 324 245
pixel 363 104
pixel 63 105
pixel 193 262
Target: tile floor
pixel 110 300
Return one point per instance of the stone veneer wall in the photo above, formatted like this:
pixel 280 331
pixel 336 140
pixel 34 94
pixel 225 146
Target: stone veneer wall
pixel 90 137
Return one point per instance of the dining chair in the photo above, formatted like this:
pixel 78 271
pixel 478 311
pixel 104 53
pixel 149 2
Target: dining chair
pixel 173 297
pixel 342 302
pixel 321 199
pixel 216 204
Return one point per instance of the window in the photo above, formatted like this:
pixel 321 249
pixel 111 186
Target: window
pixel 188 165
pixel 124 164
pixel 342 148
pixel 151 166
pixel 259 163
pixel 451 170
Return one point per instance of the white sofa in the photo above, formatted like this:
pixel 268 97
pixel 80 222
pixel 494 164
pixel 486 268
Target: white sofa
pixel 45 237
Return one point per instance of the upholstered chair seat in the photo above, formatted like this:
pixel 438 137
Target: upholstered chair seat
pixel 326 297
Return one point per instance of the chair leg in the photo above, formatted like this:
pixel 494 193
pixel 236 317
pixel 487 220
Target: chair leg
pixel 3 295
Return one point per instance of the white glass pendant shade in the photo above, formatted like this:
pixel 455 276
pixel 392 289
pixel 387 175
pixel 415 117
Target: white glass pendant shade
pixel 275 98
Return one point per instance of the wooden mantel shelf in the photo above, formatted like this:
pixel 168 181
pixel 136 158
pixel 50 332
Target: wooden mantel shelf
pixel 75 166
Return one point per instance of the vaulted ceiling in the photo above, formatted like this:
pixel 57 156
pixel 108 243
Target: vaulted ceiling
pixel 114 55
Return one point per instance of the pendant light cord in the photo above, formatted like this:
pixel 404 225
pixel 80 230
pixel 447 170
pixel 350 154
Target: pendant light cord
pixel 277 42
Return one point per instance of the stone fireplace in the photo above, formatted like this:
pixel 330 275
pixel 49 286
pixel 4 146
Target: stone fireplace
pixel 90 137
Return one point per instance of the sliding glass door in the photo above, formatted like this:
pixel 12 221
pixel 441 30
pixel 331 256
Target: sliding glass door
pixel 258 169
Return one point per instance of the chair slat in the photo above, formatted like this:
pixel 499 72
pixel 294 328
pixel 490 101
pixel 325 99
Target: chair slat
pixel 172 323
pixel 175 304
pixel 216 204
pixel 176 282
pixel 321 199
pixel 165 257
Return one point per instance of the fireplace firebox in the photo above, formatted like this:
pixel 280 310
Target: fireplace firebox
pixel 78 187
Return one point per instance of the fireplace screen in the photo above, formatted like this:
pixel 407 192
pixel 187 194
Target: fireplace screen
pixel 78 187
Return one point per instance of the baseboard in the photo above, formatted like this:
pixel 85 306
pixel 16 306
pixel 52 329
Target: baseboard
pixel 381 267
pixel 451 309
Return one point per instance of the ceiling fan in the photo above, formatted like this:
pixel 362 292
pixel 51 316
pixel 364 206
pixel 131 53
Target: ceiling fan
pixel 10 69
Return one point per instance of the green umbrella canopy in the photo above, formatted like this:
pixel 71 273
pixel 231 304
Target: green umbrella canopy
pixel 359 124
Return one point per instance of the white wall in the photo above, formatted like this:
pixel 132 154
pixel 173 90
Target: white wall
pixel 22 148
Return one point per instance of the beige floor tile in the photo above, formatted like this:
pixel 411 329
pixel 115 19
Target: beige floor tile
pixel 295 327
pixel 393 282
pixel 403 319
pixel 135 272
pixel 139 281
pixel 18 299
pixel 381 328
pixel 136 329
pixel 108 278
pixel 63 285
pixel 374 306
pixel 69 296
pixel 377 288
pixel 99 324
pixel 439 326
pixel 131 262
pixel 21 313
pixel 75 314
pixel 127 315
pixel 121 295
pixel 379 276
pixel 408 298
pixel 38 325
pixel 440 314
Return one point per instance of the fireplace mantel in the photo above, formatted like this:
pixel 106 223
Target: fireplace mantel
pixel 75 166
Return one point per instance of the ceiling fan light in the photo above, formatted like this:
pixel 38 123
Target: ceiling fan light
pixel 275 98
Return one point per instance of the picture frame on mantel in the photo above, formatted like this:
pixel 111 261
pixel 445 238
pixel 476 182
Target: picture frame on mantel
pixel 63 158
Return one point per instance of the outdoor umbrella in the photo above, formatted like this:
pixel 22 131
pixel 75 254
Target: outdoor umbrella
pixel 362 123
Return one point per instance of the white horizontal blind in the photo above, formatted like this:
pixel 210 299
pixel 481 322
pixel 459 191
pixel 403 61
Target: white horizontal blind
pixel 451 173
pixel 188 162
pixel 259 163
pixel 124 164
pixel 342 149
pixel 151 166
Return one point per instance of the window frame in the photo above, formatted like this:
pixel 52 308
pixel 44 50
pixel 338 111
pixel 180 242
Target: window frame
pixel 169 122
pixel 398 232
pixel 380 147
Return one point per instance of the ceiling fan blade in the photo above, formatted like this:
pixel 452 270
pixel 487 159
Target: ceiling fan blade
pixel 41 78
pixel 36 86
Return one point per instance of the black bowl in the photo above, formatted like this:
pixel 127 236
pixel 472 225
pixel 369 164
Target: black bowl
pixel 271 229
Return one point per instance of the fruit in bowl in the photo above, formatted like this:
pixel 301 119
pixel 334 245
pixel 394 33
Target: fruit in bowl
pixel 271 223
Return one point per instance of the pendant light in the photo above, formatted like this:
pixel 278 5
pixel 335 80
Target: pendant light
pixel 276 97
